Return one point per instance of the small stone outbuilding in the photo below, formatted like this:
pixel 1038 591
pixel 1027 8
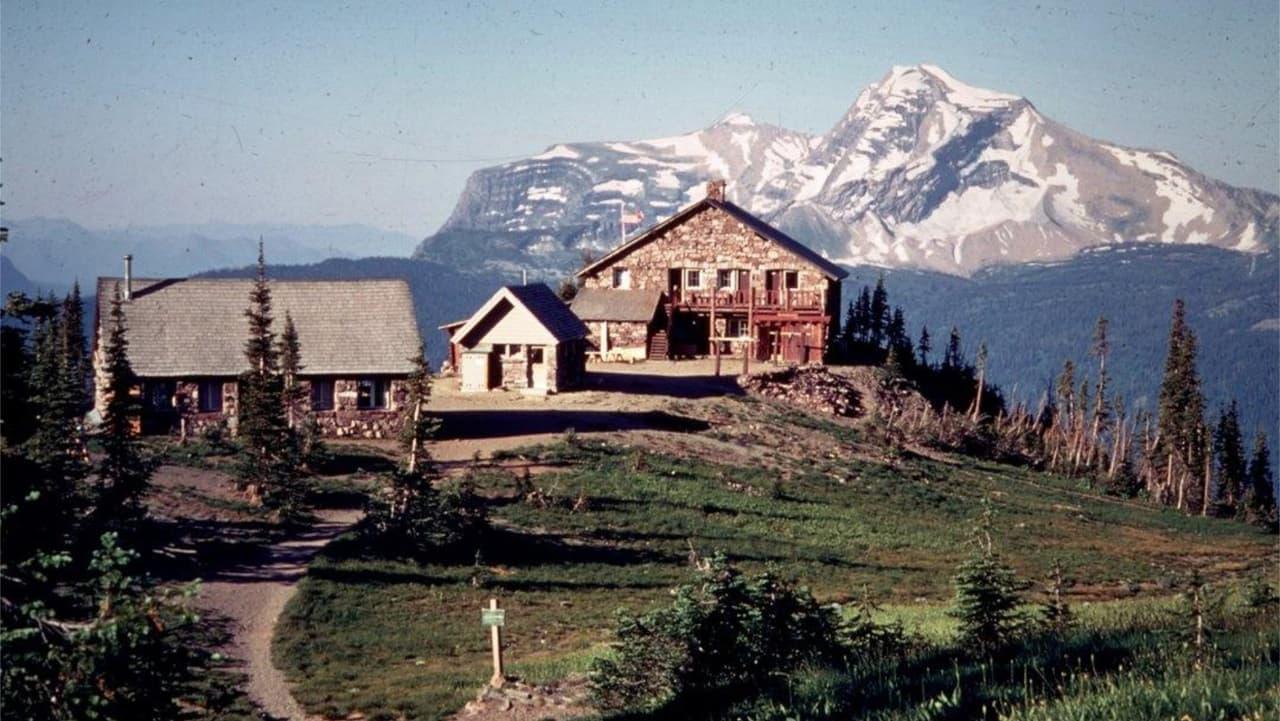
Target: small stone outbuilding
pixel 523 338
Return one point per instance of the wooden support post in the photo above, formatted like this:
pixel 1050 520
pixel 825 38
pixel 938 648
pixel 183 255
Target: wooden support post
pixel 711 332
pixel 750 344
pixel 495 636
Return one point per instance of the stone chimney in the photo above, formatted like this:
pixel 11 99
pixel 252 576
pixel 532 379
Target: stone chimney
pixel 715 190
pixel 128 277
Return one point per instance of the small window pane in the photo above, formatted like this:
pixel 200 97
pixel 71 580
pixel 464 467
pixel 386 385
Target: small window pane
pixel 792 280
pixel 371 393
pixel 621 278
pixel 322 395
pixel 210 396
pixel 693 278
pixel 724 279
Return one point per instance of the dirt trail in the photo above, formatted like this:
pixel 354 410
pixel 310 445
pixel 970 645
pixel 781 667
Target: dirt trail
pixel 252 595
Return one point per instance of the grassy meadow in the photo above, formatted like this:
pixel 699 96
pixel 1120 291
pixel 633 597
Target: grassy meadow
pixel 620 526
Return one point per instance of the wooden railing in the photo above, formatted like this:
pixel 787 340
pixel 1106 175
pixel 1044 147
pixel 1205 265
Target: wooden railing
pixel 735 299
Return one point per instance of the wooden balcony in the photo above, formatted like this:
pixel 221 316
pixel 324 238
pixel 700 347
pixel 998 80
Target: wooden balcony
pixel 741 300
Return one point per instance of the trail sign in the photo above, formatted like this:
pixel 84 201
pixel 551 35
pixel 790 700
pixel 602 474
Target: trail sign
pixel 494 618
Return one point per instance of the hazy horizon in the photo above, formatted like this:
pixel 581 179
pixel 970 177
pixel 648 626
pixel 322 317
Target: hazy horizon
pixel 320 115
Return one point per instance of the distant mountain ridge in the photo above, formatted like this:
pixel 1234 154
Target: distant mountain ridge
pixel 923 171
pixel 57 251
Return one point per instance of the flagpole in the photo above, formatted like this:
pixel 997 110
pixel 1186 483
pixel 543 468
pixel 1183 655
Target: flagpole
pixel 622 228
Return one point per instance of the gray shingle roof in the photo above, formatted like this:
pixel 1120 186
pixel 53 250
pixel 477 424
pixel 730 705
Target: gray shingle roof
pixel 542 302
pixel 616 304
pixel 758 226
pixel 197 327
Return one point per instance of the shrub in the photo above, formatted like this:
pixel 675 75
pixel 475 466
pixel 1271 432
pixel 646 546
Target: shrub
pixel 727 632
pixel 411 516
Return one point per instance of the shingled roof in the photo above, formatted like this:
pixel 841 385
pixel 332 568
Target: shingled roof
pixel 758 226
pixel 196 326
pixel 545 306
pixel 616 304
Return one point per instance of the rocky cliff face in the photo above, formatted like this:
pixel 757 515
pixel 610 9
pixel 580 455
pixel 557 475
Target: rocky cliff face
pixel 923 171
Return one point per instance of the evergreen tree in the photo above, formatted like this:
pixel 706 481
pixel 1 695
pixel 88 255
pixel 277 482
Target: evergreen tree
pixel 1229 460
pixel 75 351
pixel 862 316
pixel 1260 494
pixel 896 335
pixel 988 594
pixel 290 354
pixel 1066 393
pixel 924 346
pixel 123 473
pixel 878 318
pixel 1100 349
pixel 1181 404
pixel 953 357
pixel 269 464
pixel 56 447
pixel 419 427
pixel 1058 617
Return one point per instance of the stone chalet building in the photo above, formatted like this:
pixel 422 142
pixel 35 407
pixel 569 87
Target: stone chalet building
pixel 711 274
pixel 186 345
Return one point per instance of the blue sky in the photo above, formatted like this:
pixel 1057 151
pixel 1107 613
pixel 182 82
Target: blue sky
pixel 133 113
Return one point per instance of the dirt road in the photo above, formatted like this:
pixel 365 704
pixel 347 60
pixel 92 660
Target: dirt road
pixel 252 596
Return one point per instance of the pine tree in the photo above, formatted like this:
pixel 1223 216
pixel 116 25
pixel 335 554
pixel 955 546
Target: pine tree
pixel 269 465
pixel 847 337
pixel 878 319
pixel 862 316
pixel 123 474
pixel 1058 617
pixel 1100 349
pixel 290 354
pixel 988 594
pixel 56 447
pixel 75 350
pixel 419 427
pixel 924 346
pixel 1229 460
pixel 953 358
pixel 1181 408
pixel 1260 493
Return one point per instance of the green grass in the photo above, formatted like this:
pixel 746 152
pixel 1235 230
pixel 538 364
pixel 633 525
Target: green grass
pixel 392 638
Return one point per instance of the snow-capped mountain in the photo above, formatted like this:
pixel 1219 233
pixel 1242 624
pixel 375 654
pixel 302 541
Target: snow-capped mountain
pixel 922 171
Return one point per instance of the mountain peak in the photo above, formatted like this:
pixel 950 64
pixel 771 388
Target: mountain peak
pixel 736 118
pixel 913 79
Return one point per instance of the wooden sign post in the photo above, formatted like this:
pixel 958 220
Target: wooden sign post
pixel 495 618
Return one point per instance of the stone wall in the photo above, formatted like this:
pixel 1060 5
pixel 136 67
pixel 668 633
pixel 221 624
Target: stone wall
pixel 622 334
pixel 709 240
pixel 346 420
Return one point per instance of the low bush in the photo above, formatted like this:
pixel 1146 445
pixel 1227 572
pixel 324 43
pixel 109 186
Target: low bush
pixel 727 633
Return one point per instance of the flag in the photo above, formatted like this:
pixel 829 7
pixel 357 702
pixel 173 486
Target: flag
pixel 635 218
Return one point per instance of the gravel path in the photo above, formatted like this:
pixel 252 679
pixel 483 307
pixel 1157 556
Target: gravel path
pixel 253 595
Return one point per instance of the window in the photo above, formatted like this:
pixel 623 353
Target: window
pixel 535 355
pixel 322 395
pixel 693 278
pixel 621 278
pixel 209 396
pixel 159 395
pixel 792 279
pixel 725 279
pixel 371 393
pixel 736 328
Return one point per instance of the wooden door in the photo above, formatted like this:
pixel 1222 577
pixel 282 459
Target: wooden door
pixel 675 284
